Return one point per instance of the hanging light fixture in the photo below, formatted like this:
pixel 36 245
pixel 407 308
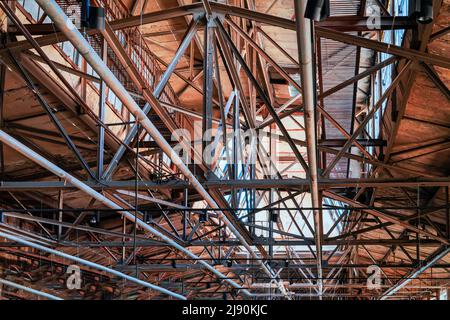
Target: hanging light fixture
pixel 424 11
pixel 274 215
pixel 93 221
pixel 147 217
pixel 203 217
pixel 317 10
pixel 85 6
pixel 92 17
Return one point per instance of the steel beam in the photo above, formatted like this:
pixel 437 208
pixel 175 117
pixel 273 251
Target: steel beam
pixel 306 53
pixel 260 184
pixel 143 242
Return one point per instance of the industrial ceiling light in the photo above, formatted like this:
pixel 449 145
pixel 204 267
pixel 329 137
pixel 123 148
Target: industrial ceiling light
pixel 97 18
pixel 424 11
pixel 317 10
pixel 92 17
pixel 274 216
pixel 93 221
pixel 85 6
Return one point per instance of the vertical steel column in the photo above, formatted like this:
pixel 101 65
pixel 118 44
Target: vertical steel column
pixel 305 38
pixel 101 117
pixel 186 214
pixel 272 160
pixel 60 213
pixel 447 211
pixel 234 165
pixel 208 87
pixel 2 102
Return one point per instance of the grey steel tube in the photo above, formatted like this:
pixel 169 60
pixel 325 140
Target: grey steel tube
pixel 305 52
pixel 57 15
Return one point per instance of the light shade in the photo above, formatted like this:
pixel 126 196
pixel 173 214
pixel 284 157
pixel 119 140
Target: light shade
pixel 97 18
pixel 317 10
pixel 424 11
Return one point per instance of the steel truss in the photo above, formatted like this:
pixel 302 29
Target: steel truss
pixel 193 230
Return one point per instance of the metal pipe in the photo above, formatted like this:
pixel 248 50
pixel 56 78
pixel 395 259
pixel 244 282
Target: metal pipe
pixel 30 154
pixel 305 51
pixel 57 15
pixel 30 290
pixel 91 264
